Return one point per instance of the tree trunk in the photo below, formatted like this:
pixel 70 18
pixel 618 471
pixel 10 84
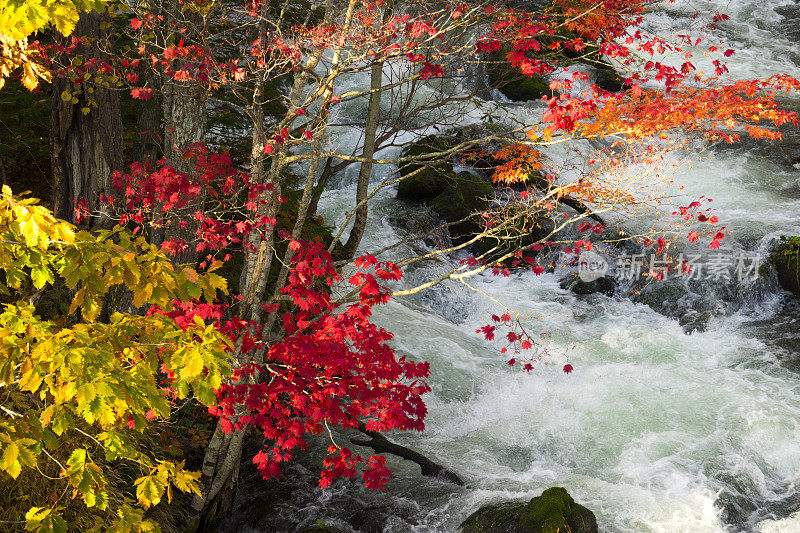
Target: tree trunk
pixel 219 482
pixel 86 135
pixel 184 113
pixel 148 145
pixel 365 171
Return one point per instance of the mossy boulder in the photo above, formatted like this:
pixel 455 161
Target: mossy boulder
pixel 527 230
pixel 607 78
pixel 553 512
pixel 426 178
pixel 511 82
pixel 785 258
pixel 465 195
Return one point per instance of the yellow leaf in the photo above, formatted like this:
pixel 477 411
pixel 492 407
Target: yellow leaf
pixel 140 297
pixel 9 460
pixel 149 490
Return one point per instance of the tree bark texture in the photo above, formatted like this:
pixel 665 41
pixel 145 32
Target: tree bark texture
pixel 185 116
pixel 86 134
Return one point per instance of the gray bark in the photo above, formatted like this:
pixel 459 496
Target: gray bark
pixel 86 147
pixel 365 171
pixel 184 114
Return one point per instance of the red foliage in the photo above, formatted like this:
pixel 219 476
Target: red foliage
pixel 332 367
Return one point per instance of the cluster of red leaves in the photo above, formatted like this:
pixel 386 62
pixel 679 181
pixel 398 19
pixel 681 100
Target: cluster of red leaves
pixel 332 367
pixel 694 213
pixel 151 195
pixel 526 351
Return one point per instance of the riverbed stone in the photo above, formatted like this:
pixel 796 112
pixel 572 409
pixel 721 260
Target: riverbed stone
pixel 465 195
pixel 605 285
pixel 785 258
pixel 426 180
pixel 531 229
pixel 553 512
pixel 511 82
pixel 607 78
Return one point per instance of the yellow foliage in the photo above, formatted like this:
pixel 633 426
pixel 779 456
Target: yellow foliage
pixel 21 19
pixel 98 379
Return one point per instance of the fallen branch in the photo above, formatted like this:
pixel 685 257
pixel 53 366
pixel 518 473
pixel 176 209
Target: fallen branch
pixel 381 444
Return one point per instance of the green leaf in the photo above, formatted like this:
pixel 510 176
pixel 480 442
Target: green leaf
pixel 44 521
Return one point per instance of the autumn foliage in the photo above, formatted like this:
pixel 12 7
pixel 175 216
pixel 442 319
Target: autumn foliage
pixel 294 351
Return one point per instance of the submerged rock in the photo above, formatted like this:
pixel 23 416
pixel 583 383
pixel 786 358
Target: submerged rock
pixel 553 512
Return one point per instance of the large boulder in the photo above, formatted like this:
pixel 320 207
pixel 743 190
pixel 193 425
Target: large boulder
pixel 526 230
pixel 427 178
pixel 465 195
pixel 604 285
pixel 785 258
pixel 511 82
pixel 553 512
pixel 607 78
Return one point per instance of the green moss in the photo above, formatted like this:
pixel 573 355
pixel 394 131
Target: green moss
pixel 466 195
pixel 431 178
pixel 785 257
pixel 553 512
pixel 425 184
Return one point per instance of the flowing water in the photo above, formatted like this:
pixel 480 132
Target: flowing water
pixel 661 427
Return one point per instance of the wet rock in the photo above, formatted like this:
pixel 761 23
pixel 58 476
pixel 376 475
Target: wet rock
pixel 465 195
pixel 511 82
pixel 785 258
pixel 605 285
pixel 368 521
pixel 432 176
pixel 322 528
pixel 553 512
pixel 607 78
pixel 692 320
pixel 526 231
